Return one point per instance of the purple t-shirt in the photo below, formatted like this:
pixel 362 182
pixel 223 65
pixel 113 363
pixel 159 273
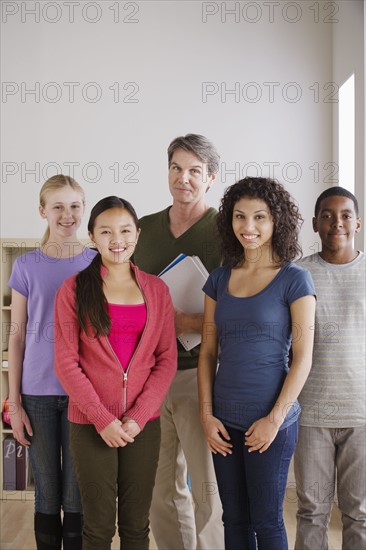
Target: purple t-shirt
pixel 38 277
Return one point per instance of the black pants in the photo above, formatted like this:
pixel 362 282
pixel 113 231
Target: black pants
pixel 103 474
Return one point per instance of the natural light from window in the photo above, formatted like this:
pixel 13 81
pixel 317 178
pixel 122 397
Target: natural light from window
pixel 346 140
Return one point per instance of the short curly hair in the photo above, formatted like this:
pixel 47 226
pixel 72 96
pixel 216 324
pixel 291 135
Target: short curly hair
pixel 336 191
pixel 285 214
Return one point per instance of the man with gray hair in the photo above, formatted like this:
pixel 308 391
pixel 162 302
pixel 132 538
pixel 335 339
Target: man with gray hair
pixel 181 519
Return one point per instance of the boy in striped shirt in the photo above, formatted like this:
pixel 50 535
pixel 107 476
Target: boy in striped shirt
pixel 332 443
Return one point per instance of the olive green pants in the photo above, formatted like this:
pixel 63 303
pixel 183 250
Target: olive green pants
pixel 105 473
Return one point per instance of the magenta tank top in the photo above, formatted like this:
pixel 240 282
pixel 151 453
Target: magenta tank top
pixel 127 325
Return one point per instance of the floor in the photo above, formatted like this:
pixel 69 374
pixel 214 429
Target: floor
pixel 16 519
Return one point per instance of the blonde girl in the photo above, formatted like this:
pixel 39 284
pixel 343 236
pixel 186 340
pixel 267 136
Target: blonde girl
pixel 39 402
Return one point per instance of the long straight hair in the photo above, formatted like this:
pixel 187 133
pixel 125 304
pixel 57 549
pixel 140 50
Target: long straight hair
pixel 55 184
pixel 91 302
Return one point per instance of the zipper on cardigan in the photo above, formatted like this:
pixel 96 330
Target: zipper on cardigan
pixel 124 375
pixel 125 380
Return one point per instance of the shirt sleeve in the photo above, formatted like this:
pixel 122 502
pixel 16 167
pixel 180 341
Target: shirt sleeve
pixel 217 282
pixel 210 286
pixel 301 284
pixel 18 280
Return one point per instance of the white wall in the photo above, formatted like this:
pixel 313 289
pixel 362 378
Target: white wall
pixel 348 59
pixel 169 52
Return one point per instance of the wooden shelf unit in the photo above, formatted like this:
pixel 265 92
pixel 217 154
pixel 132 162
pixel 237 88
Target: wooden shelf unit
pixel 10 250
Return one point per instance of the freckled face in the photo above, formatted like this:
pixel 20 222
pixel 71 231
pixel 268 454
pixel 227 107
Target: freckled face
pixel 188 178
pixel 252 223
pixel 115 235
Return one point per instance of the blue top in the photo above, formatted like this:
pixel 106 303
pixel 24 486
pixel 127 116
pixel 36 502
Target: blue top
pixel 255 338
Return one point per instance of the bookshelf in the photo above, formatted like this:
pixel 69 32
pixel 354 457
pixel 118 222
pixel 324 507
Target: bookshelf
pixel 10 250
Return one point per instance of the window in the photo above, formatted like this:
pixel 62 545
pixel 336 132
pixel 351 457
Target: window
pixel 346 134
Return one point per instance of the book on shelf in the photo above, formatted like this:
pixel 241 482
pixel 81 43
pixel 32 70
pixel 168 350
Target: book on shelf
pixel 185 277
pixel 9 463
pixel 16 470
pixel 22 462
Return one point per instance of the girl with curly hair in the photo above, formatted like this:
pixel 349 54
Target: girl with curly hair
pixel 257 306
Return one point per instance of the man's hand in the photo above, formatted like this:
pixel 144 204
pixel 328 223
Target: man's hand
pixel 187 322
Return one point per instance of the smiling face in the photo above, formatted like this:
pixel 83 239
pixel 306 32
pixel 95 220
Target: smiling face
pixel 188 178
pixel 115 235
pixel 337 224
pixel 252 223
pixel 63 209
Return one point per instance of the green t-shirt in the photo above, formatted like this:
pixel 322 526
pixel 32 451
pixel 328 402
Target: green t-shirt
pixel 157 247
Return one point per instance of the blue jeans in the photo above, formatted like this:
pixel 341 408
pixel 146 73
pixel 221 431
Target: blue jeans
pixel 55 482
pixel 252 489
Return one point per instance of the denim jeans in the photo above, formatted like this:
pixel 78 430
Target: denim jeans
pixel 252 489
pixel 55 482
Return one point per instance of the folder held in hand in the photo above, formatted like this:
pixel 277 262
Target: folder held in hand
pixel 185 277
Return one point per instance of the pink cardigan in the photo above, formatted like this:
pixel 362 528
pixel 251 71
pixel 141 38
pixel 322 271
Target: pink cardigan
pixel 90 372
